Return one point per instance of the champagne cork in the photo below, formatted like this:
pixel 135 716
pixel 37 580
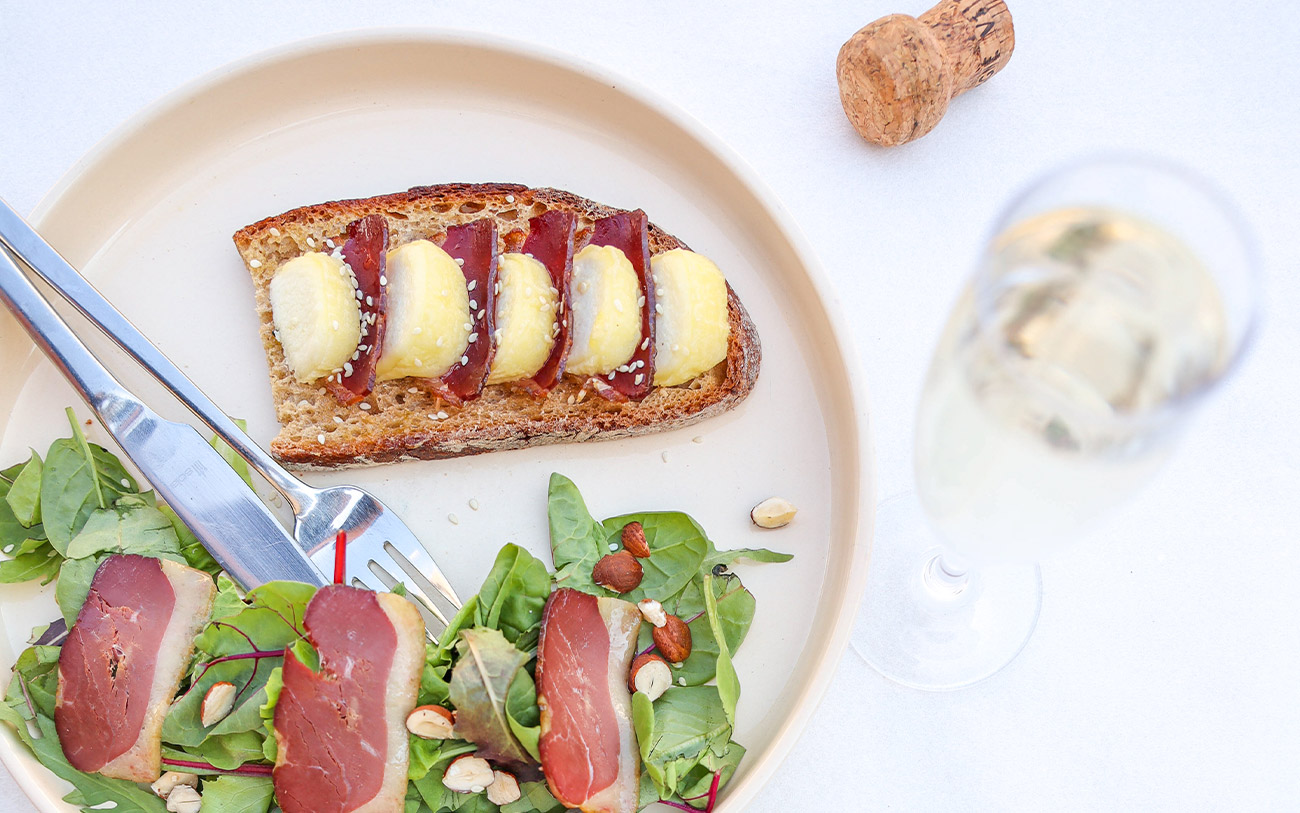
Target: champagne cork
pixel 898 74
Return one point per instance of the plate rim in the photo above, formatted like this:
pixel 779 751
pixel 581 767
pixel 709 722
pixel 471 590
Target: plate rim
pixel 811 694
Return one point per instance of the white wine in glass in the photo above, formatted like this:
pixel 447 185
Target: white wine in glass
pixel 1114 295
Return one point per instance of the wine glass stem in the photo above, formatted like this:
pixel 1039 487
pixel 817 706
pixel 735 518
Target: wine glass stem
pixel 946 577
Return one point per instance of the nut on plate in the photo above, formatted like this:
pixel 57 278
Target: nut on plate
pixel 774 512
pixel 504 788
pixel 620 572
pixel 165 784
pixel 184 799
pixel 431 723
pixel 649 675
pixel 217 703
pixel 652 611
pixel 634 541
pixel 673 639
pixel 468 774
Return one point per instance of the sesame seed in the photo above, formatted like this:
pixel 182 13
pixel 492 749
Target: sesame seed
pixel 419 363
pixel 336 324
pixel 370 302
pixel 583 287
pixel 469 326
pixel 570 399
pixel 676 347
pixel 125 482
pixel 473 304
pixel 473 337
pixel 496 289
pixel 640 301
pixel 611 376
pixel 681 681
pixel 361 348
pixel 254 263
pixel 481 313
pixel 337 419
pixel 659 308
pixel 383 280
pixel 613 546
pixel 460 261
pixel 417 330
pixel 322 390
pixel 510 198
pixel 528 255
pixel 356 354
pixel 645 343
pixel 639 378
pixel 697 439
pixel 464 360
pixel 555 291
pixel 363 406
pixel 664 457
pixel 320 438
pixel 433 417
pixel 473 504
pixel 618 305
pixel 413 390
pixel 453 519
pixel 347 368
pixel 496 335
pixel 329 243
pixel 542 298
pixel 275 232
pixel 442 416
pixel 311 243
pixel 439 342
pixel 659 291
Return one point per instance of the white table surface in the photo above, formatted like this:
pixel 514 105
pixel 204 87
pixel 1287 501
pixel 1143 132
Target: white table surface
pixel 1165 670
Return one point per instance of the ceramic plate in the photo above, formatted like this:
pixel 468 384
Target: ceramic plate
pixel 149 214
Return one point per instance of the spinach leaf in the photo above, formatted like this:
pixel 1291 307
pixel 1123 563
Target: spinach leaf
pixel 735 606
pixel 73 586
pixel 42 563
pixel 682 726
pixel 534 797
pixel 24 495
pixel 480 683
pixel 522 713
pixel 727 558
pixel 727 680
pixel 12 532
pixel 69 492
pixel 577 540
pixel 678 546
pixel 131 525
pixel 196 556
pixel 231 457
pixel 513 595
pixel 237 794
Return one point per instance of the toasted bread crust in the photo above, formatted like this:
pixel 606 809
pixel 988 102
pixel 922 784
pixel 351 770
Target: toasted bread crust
pixel 400 421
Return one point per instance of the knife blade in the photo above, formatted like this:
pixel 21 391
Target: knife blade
pixel 228 518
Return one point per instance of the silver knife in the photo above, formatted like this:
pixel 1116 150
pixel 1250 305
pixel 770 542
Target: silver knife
pixel 187 473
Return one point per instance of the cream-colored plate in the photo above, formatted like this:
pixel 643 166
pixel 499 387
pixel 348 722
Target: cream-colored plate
pixel 148 216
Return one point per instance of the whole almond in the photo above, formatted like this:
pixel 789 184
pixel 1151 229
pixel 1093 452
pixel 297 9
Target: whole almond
pixel 620 572
pixel 634 541
pixel 673 639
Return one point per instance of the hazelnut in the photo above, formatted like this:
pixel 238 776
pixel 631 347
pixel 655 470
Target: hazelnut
pixel 504 788
pixel 649 675
pixel 619 572
pixel 774 512
pixel 165 784
pixel 184 799
pixel 430 723
pixel 673 639
pixel 468 774
pixel 217 703
pixel 634 541
pixel 652 611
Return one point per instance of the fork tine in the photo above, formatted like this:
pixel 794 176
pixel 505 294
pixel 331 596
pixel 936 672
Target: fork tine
pixel 417 565
pixel 431 613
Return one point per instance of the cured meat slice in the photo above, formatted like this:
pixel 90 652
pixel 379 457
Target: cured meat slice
pixel 341 733
pixel 474 247
pixel 550 241
pixel 588 746
pixel 365 252
pixel 629 232
pixel 123 660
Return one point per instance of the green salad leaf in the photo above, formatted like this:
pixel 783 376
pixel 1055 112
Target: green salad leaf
pixel 238 794
pixel 480 683
pixel 24 497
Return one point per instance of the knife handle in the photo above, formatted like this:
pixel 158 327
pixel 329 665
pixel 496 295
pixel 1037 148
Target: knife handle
pixel 31 248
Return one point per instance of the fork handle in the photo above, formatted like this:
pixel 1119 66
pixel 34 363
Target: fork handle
pixel 32 249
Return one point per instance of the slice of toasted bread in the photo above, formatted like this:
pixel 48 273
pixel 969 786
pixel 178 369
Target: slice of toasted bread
pixel 399 420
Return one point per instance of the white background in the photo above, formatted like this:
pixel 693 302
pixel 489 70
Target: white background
pixel 1165 670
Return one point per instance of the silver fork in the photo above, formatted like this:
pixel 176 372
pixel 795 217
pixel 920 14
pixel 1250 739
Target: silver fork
pixel 381 550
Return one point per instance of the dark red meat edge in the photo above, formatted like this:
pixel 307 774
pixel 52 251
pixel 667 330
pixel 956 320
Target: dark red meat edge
pixel 629 232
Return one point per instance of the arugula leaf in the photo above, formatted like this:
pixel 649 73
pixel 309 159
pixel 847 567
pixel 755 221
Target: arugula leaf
pixel 577 540
pixel 237 794
pixel 480 683
pixel 24 495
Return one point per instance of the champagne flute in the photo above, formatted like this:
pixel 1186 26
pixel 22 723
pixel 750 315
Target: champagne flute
pixel 1116 295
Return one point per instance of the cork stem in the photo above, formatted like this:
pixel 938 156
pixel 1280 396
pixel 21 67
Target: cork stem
pixel 976 37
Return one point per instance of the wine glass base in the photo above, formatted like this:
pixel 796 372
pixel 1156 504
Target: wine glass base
pixel 927 632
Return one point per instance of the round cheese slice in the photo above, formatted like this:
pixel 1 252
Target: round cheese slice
pixel 526 305
pixel 315 313
pixel 428 313
pixel 604 300
pixel 691 329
